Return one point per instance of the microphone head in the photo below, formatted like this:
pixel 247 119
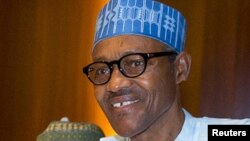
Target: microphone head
pixel 71 131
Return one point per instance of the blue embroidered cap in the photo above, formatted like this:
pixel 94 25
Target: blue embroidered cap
pixel 147 18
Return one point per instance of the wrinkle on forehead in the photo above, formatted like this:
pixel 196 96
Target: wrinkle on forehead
pixel 116 47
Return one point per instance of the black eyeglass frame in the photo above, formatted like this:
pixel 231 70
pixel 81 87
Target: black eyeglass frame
pixel 146 57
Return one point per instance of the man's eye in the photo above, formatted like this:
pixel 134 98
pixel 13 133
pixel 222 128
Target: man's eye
pixel 102 71
pixel 90 69
pixel 136 63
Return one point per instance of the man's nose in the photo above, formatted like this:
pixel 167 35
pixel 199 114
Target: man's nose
pixel 117 81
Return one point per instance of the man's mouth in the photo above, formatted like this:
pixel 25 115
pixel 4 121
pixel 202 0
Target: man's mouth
pixel 125 103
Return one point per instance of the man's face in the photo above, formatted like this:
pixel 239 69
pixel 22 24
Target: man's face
pixel 134 104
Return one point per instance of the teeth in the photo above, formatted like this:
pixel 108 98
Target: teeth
pixel 124 103
pixel 117 105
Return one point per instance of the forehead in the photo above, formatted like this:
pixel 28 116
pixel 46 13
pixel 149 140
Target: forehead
pixel 115 47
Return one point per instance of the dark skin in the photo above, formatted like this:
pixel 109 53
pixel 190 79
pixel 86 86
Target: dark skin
pixel 155 112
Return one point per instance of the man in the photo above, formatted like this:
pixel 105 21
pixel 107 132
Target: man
pixel 139 63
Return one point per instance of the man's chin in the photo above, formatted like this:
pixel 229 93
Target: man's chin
pixel 124 133
pixel 125 130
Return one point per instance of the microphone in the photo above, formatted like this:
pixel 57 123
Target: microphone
pixel 64 130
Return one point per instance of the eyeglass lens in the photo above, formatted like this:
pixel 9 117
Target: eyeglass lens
pixel 130 66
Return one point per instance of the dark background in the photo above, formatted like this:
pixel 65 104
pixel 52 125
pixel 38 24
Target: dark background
pixel 45 43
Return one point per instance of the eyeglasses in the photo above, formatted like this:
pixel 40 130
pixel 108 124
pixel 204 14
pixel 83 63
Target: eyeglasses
pixel 131 66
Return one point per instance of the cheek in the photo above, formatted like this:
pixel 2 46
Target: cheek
pixel 99 94
pixel 160 86
pixel 167 88
pixel 154 81
pixel 159 75
pixel 164 78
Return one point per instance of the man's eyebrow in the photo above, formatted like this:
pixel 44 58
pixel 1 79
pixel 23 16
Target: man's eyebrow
pixel 103 58
pixel 128 52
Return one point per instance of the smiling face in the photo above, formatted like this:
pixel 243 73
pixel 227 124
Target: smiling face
pixel 134 104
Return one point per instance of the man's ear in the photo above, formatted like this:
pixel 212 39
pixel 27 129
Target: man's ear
pixel 182 66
